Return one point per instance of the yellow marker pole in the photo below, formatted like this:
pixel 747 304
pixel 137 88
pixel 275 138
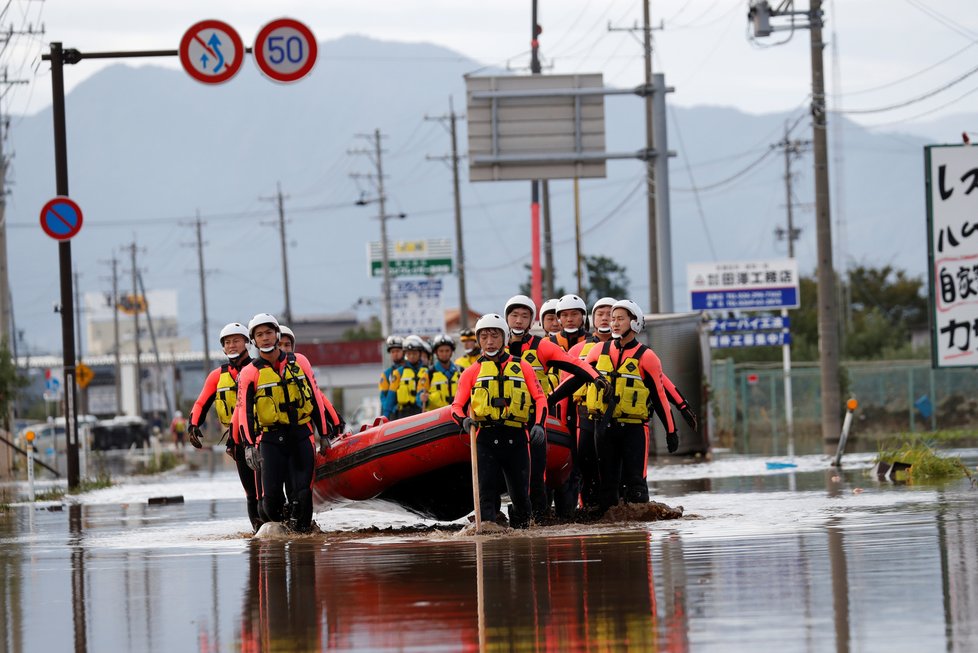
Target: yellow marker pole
pixel 851 406
pixel 475 480
pixel 30 464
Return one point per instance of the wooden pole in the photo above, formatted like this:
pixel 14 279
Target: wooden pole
pixel 473 431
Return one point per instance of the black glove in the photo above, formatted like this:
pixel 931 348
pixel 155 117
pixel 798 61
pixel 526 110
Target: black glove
pixel 194 435
pixel 604 385
pixel 672 442
pixel 467 424
pixel 538 435
pixel 323 445
pixel 231 449
pixel 253 457
pixel 688 415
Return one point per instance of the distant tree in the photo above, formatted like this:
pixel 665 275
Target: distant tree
pixel 372 331
pixel 11 381
pixel 605 279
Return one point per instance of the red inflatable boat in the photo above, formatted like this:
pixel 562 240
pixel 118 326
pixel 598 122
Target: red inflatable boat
pixel 420 462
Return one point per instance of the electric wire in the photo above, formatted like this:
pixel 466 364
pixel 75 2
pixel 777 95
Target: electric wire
pixel 692 182
pixel 914 100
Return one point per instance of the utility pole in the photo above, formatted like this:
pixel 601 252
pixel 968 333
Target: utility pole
pixel 7 334
pixel 376 156
pixel 828 304
pixel 78 338
pixel 160 382
pixel 205 332
pixel 760 15
pixel 463 302
pixel 115 334
pixel 548 252
pixel 654 280
pixel 135 321
pixel 792 149
pixel 536 292
pixel 578 257
pixel 280 201
pixel 660 255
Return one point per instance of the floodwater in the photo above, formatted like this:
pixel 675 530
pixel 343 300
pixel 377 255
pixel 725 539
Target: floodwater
pixel 798 559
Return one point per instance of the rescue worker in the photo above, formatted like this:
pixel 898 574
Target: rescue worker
pixel 500 395
pixel 395 348
pixel 279 411
pixel 572 314
pixel 287 344
pixel 545 358
pixel 471 348
pixel 408 382
pixel 178 427
pixel 548 317
pixel 587 457
pixel 622 420
pixel 220 389
pixel 443 374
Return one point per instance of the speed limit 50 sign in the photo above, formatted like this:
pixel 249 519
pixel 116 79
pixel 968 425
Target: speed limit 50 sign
pixel 285 50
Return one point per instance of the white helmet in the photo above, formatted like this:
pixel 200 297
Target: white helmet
pixel 231 329
pixel 257 321
pixel 604 301
pixel 491 321
pixel 638 317
pixel 414 343
pixel 549 306
pixel 517 301
pixel 286 331
pixel 572 303
pixel 395 342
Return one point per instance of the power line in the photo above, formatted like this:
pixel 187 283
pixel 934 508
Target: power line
pixel 919 98
pixel 906 78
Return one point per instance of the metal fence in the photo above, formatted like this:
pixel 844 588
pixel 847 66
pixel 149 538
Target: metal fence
pixel 894 396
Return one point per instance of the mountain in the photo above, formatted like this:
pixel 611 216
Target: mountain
pixel 148 147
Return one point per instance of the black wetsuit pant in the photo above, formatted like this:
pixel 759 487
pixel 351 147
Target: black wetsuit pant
pixel 251 482
pixel 503 451
pixel 587 461
pixel 622 462
pixel 539 498
pixel 288 458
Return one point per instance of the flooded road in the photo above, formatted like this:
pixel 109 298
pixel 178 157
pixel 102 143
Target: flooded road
pixel 798 559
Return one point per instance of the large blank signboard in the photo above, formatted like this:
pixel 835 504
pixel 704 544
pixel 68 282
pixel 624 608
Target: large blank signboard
pixel 535 127
pixel 952 230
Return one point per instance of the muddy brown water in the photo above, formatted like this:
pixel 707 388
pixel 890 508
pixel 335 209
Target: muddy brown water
pixel 808 559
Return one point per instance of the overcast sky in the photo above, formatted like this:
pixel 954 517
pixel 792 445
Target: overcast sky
pixel 890 52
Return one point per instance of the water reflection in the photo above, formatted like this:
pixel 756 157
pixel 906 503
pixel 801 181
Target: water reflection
pixel 557 594
pixel 829 570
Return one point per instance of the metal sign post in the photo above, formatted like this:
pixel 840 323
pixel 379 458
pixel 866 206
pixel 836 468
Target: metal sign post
pixel 64 259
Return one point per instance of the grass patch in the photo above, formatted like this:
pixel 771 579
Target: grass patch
pixel 103 480
pixel 53 494
pixel 925 463
pixel 165 462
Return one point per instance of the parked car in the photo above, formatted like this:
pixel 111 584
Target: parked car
pixel 120 433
